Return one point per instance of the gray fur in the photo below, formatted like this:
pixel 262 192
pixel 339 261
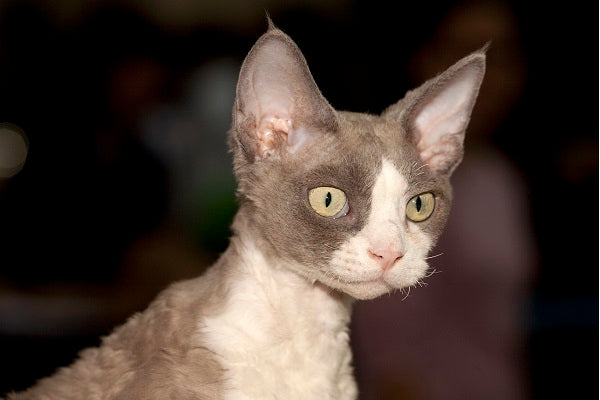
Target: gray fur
pixel 160 353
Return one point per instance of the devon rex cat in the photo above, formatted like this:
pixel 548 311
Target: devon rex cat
pixel 333 206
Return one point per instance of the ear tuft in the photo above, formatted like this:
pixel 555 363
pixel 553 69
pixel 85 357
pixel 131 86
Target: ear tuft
pixel 270 23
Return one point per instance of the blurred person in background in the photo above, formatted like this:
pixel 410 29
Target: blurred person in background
pixel 85 238
pixel 463 336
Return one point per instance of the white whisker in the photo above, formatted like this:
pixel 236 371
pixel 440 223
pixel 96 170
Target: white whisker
pixel 432 272
pixel 421 283
pixel 407 293
pixel 434 256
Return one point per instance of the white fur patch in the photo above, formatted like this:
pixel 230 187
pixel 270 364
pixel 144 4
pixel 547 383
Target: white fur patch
pixel 387 227
pixel 281 337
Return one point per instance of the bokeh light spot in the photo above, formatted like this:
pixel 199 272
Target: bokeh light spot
pixel 13 150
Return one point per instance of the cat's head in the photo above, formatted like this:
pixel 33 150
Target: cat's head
pixel 354 201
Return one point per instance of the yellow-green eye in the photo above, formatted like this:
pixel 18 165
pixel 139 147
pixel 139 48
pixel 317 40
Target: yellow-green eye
pixel 328 201
pixel 420 207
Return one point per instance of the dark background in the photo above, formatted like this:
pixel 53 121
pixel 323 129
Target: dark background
pixel 106 211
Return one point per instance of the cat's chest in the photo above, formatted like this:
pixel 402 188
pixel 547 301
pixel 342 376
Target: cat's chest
pixel 281 337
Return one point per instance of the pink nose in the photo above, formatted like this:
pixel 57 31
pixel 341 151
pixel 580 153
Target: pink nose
pixel 385 257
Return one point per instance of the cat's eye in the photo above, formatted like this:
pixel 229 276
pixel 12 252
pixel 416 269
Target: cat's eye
pixel 328 201
pixel 420 207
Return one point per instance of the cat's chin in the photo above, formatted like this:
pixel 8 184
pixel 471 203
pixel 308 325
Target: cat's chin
pixel 366 290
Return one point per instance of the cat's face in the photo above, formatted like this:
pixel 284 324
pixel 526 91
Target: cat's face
pixel 354 201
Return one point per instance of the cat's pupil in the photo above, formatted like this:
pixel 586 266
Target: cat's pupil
pixel 328 199
pixel 418 203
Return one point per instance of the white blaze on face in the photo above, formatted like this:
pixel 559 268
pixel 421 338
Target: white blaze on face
pixel 384 226
pixel 387 230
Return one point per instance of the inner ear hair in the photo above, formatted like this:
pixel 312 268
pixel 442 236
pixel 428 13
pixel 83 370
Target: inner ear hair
pixel 273 133
pixel 278 100
pixel 439 114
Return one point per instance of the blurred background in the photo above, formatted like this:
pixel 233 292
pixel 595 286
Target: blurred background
pixel 115 179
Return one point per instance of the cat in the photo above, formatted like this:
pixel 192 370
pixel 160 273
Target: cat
pixel 333 207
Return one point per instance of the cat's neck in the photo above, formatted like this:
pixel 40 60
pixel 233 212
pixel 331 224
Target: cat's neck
pixel 271 318
pixel 259 263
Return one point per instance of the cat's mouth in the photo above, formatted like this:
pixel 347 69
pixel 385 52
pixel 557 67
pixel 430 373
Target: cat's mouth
pixel 364 280
pixel 373 278
pixel 377 284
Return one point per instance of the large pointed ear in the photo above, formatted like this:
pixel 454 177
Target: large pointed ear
pixel 278 107
pixel 435 115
